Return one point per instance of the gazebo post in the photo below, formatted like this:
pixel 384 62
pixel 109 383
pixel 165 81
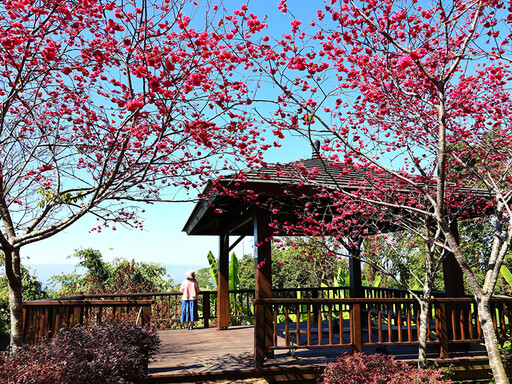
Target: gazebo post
pixel 452 272
pixel 356 291
pixel 223 283
pixel 354 267
pixel 263 284
pixel 453 287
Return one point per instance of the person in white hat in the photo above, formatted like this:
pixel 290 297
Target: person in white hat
pixel 190 290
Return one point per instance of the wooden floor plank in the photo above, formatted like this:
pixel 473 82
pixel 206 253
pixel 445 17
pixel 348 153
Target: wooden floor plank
pixel 208 354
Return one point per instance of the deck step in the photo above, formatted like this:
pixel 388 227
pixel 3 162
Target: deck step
pixel 292 373
pixel 463 369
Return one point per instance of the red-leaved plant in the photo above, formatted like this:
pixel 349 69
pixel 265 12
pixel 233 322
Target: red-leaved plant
pixel 377 369
pixel 111 352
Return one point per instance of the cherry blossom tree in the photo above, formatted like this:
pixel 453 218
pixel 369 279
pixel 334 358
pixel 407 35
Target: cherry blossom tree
pixel 105 104
pixel 415 97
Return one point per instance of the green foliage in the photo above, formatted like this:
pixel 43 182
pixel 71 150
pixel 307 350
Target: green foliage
pixel 476 243
pixel 234 279
pixel 476 238
pixel 343 278
pixel 303 265
pixel 205 280
pixel 91 259
pixel 58 198
pixel 214 267
pixel 506 274
pixel 65 284
pixel 246 272
pixel 504 286
pixel 402 255
pixel 118 276
pixel 397 260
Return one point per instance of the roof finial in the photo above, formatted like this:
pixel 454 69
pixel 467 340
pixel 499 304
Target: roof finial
pixel 316 148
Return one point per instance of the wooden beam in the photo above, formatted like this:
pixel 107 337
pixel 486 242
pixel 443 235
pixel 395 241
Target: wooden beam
pixel 236 243
pixel 223 283
pixel 263 285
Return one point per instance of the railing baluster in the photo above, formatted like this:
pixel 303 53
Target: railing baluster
pixel 206 309
pixel 470 322
pixel 340 325
pixel 379 323
pixel 461 321
pixel 309 325
pixel 319 322
pixel 274 339
pixel 478 326
pixel 370 328
pixel 331 340
pixel 399 324
pixel 286 327
pixel 315 295
pixel 429 338
pixel 493 314
pixel 509 317
pixel 297 323
pixel 453 309
pixel 409 323
pixel 390 324
pixel 502 321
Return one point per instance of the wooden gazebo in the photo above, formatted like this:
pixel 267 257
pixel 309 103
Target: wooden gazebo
pixel 227 211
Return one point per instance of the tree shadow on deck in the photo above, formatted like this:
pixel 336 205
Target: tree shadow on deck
pixel 209 350
pixel 205 350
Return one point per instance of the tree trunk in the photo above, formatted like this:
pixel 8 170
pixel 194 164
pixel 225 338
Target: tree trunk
pixel 491 342
pixel 423 333
pixel 13 273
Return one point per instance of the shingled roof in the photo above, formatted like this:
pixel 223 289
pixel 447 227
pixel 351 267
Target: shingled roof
pixel 277 181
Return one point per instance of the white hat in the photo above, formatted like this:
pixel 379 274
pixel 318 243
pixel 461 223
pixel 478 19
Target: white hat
pixel 190 273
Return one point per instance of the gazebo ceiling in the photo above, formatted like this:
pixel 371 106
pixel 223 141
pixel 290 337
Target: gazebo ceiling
pixel 281 183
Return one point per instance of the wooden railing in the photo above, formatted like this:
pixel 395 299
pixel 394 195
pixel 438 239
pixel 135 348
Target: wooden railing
pixel 395 293
pixel 355 323
pixel 44 318
pixel 242 308
pixel 166 308
pixel 47 316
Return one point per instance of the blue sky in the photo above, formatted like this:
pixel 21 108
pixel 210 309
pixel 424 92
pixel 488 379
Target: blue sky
pixel 161 241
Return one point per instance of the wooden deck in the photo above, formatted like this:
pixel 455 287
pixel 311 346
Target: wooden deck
pixel 207 354
pixel 324 322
